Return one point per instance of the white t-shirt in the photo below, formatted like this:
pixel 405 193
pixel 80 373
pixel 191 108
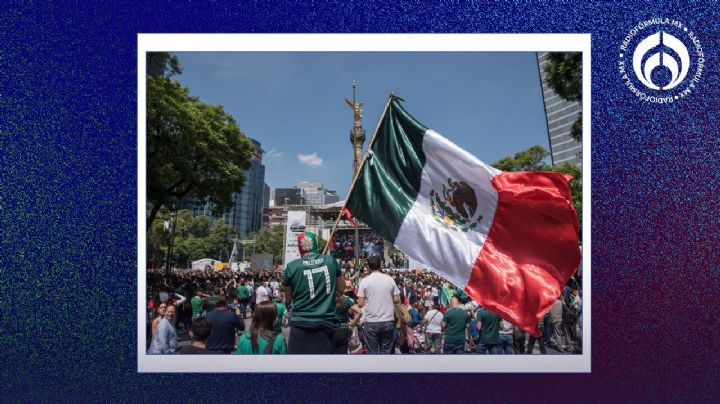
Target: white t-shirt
pixel 261 295
pixel 434 318
pixel 428 299
pixel 378 290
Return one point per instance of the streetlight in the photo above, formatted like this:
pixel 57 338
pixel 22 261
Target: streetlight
pixel 285 231
pixel 171 241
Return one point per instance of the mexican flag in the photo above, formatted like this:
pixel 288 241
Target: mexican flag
pixel 509 240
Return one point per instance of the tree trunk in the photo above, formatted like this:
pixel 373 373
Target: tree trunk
pixel 153 213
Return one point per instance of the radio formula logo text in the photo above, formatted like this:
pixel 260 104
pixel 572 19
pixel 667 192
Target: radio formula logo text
pixel 661 60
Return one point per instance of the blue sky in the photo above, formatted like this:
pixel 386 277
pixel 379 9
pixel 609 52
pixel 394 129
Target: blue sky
pixel 488 103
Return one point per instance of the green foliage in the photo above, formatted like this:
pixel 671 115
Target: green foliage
pixel 193 149
pixel 269 241
pixel 527 160
pixel 162 64
pixel 575 185
pixel 563 73
pixel 157 241
pixel 576 129
pixel 196 237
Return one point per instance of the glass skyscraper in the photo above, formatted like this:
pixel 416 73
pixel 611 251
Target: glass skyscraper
pixel 288 196
pixel 560 115
pixel 246 215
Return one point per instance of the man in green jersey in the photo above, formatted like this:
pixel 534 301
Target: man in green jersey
pixel 196 304
pixel 488 323
pixel 455 323
pixel 243 294
pixel 312 283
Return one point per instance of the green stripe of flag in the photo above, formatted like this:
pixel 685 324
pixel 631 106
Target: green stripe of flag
pixel 389 180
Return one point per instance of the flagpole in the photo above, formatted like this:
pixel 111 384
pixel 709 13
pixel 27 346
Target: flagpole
pixel 357 174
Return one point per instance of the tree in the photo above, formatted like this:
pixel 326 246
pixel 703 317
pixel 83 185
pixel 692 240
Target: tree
pixel 527 160
pixel 157 241
pixel 563 73
pixel 194 149
pixel 532 160
pixel 575 186
pixel 269 240
pixel 162 64
pixel 196 237
pixel 219 245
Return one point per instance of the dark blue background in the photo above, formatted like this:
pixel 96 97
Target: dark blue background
pixel 68 206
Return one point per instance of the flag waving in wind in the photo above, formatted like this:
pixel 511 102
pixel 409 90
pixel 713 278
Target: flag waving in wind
pixel 509 240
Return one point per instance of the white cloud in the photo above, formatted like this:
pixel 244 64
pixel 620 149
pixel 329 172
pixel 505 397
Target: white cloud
pixel 310 159
pixel 272 154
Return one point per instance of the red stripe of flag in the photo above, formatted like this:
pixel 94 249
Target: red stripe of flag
pixel 531 250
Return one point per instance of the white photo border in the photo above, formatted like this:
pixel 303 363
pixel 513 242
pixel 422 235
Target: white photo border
pixel 579 363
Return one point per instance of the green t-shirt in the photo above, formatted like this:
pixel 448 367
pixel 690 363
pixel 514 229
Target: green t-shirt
pixel 490 327
pixel 312 279
pixel 341 313
pixel 242 292
pixel 281 309
pixel 456 319
pixel 245 345
pixel 196 304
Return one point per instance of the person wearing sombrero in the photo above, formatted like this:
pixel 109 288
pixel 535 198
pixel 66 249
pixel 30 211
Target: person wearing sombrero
pixel 312 285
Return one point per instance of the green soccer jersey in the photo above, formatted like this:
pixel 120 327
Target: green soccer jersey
pixel 312 279
pixel 242 292
pixel 341 313
pixel 281 309
pixel 456 319
pixel 244 346
pixel 490 327
pixel 196 304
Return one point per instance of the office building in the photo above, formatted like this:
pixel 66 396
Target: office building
pixel 560 116
pixel 246 214
pixel 331 197
pixel 288 196
pixel 315 194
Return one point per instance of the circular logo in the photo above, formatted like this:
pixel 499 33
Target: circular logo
pixel 661 60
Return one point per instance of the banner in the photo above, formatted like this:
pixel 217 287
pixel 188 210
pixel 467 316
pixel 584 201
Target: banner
pixel 261 262
pixel 294 226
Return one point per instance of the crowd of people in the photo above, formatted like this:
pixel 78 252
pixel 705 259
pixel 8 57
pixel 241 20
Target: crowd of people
pixel 316 306
pixel 370 244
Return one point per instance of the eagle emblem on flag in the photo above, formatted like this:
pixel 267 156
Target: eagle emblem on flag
pixel 455 206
